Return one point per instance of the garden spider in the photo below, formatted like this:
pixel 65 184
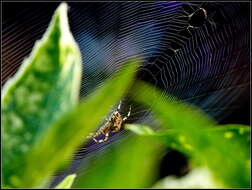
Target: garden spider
pixel 113 124
pixel 198 17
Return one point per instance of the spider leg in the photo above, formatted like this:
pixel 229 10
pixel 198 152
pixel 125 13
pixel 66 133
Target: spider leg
pixel 95 139
pixel 119 106
pixel 93 135
pixel 188 10
pixel 96 135
pixel 126 117
pixel 203 4
pixel 192 27
pixel 105 139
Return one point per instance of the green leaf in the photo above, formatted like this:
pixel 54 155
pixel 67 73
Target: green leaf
pixel 228 160
pixel 170 137
pixel 58 144
pixel 174 139
pixel 198 178
pixel 234 132
pixel 141 129
pixel 45 87
pixel 41 133
pixel 132 163
pixel 67 182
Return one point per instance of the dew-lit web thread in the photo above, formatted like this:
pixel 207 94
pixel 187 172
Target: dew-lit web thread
pixel 174 77
pixel 146 29
pixel 126 39
pixel 16 43
pixel 130 17
pixel 32 21
pixel 176 87
pixel 132 29
pixel 164 75
pixel 221 100
pixel 226 82
pixel 220 84
pixel 78 167
pixel 129 28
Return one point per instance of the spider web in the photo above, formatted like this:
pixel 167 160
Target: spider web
pixel 210 68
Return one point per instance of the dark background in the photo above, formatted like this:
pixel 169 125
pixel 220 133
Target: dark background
pixel 20 29
pixel 24 23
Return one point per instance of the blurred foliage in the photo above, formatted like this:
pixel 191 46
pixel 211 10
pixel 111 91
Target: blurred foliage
pixel 198 178
pixel 130 164
pixel 226 156
pixel 71 130
pixel 44 89
pixel 45 153
pixel 173 139
pixel 43 124
pixel 66 182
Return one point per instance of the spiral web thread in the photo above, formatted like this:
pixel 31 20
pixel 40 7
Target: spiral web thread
pixel 211 67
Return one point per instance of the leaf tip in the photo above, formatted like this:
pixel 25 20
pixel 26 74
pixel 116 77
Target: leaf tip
pixel 67 182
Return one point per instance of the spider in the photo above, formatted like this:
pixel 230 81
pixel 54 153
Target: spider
pixel 113 124
pixel 198 17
